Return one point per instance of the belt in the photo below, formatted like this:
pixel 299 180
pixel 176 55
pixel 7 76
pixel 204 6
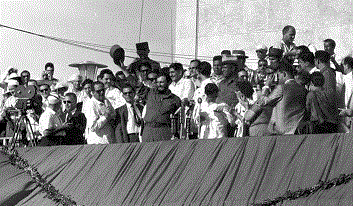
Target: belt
pixel 133 134
pixel 157 124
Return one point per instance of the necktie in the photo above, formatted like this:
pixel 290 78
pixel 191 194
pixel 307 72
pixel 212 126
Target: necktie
pixel 136 115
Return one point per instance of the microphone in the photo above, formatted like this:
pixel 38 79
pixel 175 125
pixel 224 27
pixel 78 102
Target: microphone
pixel 178 110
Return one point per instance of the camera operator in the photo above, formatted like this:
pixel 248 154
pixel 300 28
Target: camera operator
pixel 25 77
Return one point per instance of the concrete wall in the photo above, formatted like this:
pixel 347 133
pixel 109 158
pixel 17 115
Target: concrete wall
pixel 243 24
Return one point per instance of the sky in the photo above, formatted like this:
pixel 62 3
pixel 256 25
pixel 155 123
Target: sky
pixel 94 21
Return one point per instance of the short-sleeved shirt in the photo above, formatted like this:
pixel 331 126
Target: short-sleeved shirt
pixel 49 120
pixel 184 88
pixel 284 47
pixel 115 97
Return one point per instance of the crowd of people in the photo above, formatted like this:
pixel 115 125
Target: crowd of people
pixel 294 90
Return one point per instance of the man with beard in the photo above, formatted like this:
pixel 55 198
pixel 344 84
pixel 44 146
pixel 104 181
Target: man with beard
pixel 161 103
pixel 228 85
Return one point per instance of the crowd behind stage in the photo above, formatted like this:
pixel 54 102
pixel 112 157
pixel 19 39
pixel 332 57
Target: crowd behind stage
pixel 294 90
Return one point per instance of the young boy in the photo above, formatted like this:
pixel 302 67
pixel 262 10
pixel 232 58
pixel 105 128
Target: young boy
pixel 316 107
pixel 211 116
pixel 245 96
pixel 303 78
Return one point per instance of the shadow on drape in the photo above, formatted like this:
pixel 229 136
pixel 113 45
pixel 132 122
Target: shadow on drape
pixel 196 172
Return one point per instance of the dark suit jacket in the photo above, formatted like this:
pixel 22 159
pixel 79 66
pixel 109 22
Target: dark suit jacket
pixel 288 102
pixel 122 116
pixel 74 133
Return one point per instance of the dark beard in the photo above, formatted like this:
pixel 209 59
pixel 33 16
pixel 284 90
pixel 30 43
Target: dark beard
pixel 161 91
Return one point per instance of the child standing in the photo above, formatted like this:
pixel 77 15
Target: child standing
pixel 211 116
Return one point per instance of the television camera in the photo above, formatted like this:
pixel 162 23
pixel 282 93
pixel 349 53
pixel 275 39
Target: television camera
pixel 25 102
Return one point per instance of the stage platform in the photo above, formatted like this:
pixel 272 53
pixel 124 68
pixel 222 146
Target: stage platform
pixel 196 172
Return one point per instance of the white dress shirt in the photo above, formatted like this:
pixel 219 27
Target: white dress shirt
pixel 49 120
pixel 98 129
pixel 84 98
pixel 184 88
pixel 115 97
pixel 10 102
pixel 282 45
pixel 45 103
pixel 314 69
pixel 131 126
pixel 348 81
pixel 241 110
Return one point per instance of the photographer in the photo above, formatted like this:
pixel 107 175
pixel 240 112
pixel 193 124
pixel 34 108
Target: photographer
pixel 48 75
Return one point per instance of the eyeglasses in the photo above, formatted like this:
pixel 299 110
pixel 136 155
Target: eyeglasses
pixel 152 79
pixel 145 70
pixel 44 90
pixel 127 93
pixel 25 75
pixel 100 90
pixel 67 102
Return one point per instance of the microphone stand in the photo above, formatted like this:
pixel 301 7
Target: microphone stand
pixel 199 100
pixel 174 123
pixel 188 119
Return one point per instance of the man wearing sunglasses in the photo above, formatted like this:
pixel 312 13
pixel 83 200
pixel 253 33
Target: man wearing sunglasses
pixel 128 118
pixel 99 113
pixel 74 121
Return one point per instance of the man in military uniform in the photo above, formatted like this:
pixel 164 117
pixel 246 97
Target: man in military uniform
pixel 143 50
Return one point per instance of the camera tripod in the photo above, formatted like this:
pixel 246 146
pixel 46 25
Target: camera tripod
pixel 15 140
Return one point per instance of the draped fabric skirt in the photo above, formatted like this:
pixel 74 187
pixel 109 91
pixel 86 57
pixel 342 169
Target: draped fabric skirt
pixel 258 130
